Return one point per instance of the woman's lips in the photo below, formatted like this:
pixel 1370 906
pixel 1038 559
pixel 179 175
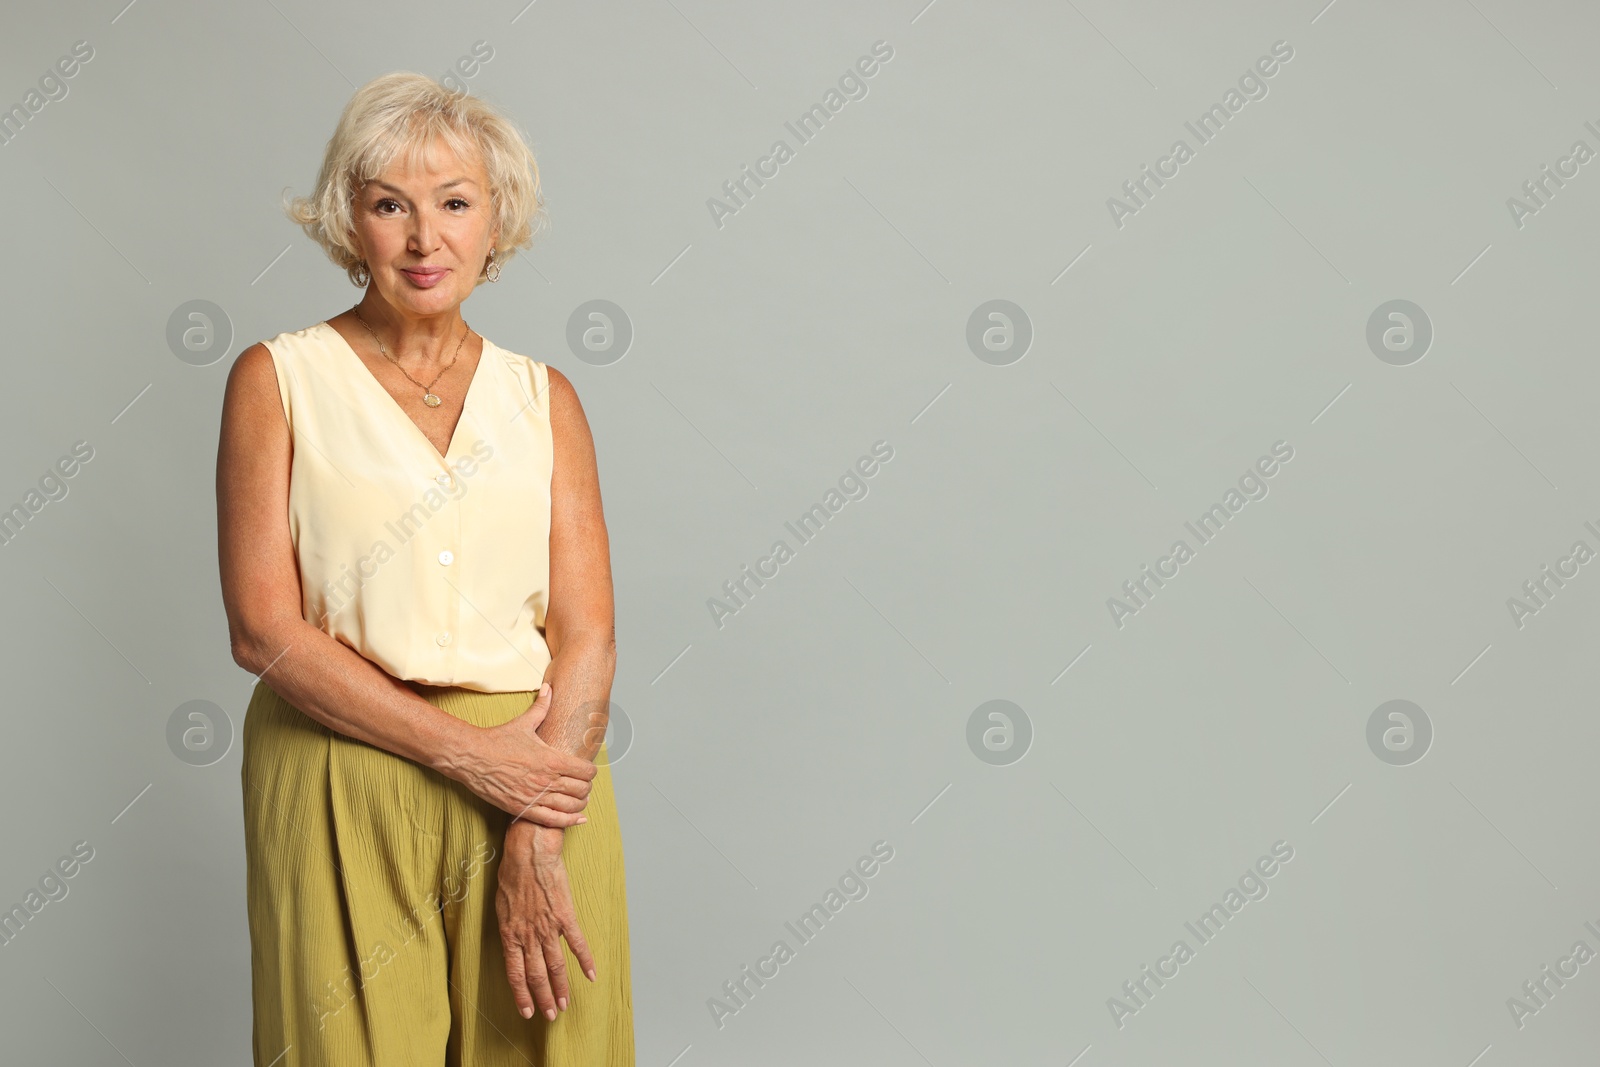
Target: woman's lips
pixel 424 278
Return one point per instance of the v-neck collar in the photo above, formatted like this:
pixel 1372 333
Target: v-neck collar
pixel 466 403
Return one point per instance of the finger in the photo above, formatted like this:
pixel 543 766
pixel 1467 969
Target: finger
pixel 554 802
pixel 579 946
pixel 556 820
pixel 553 816
pixel 576 767
pixel 561 801
pixel 575 785
pixel 563 788
pixel 555 962
pixel 517 975
pixel 535 712
pixel 539 981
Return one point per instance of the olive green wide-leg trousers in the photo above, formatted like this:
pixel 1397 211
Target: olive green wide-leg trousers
pixel 370 891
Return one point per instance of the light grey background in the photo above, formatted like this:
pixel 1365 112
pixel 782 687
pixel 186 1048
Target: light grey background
pixel 831 312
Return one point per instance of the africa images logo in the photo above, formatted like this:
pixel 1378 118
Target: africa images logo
pixel 1206 128
pixel 1252 486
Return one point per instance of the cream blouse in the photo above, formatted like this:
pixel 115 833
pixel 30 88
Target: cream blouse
pixel 436 568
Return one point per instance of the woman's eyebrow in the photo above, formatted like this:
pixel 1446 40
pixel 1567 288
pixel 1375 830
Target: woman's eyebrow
pixel 441 187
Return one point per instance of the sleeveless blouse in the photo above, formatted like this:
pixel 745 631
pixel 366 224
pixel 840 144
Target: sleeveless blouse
pixel 435 568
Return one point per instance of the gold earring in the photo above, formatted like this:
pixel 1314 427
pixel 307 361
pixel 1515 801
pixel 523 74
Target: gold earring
pixel 362 275
pixel 492 271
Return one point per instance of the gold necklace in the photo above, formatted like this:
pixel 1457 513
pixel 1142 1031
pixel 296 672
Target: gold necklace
pixel 427 390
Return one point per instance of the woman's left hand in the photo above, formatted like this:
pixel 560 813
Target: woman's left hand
pixel 534 906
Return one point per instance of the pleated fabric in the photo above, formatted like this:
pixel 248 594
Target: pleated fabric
pixel 370 890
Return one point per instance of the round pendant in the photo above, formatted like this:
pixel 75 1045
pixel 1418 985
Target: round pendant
pixel 431 400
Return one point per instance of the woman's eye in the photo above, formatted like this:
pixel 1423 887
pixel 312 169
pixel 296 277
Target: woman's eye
pixel 453 201
pixel 382 204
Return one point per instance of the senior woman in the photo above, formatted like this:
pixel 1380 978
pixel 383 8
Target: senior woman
pixel 414 562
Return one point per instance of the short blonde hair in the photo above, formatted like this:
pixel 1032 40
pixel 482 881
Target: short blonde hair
pixel 403 112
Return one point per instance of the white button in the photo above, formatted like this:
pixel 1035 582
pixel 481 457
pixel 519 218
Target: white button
pixel 443 638
pixel 446 557
pixel 444 480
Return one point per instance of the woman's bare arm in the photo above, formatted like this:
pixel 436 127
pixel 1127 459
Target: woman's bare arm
pixel 579 626
pixel 534 900
pixel 509 766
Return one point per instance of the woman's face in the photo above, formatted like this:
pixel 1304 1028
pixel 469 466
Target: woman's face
pixel 426 232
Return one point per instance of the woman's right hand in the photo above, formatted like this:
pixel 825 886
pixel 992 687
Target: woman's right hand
pixel 517 771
